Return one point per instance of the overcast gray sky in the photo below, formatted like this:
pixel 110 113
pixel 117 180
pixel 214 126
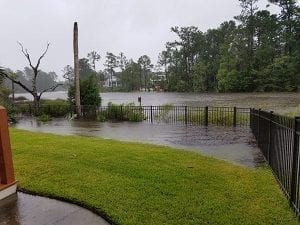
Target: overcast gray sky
pixel 135 27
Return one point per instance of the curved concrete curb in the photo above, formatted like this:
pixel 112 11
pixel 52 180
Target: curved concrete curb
pixel 24 209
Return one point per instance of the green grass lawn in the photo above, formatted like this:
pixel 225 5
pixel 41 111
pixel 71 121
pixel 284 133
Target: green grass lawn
pixel 133 183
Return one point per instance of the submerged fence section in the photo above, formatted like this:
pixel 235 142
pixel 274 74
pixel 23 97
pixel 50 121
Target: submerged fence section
pixel 165 114
pixel 278 137
pixel 194 115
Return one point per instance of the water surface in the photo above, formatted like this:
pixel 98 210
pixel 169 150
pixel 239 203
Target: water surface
pixel 279 102
pixel 228 143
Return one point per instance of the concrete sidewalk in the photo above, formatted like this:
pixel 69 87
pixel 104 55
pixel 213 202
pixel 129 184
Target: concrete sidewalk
pixel 23 209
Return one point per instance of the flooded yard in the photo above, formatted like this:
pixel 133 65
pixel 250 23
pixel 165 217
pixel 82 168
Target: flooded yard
pixel 227 143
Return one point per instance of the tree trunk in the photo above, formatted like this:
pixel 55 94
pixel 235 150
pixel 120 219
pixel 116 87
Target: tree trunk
pixel 13 91
pixel 111 81
pixel 76 70
pixel 36 104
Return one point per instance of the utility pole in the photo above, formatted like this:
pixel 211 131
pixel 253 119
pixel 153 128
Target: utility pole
pixel 76 70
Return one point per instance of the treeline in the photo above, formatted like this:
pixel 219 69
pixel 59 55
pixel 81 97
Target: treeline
pixel 259 51
pixel 119 74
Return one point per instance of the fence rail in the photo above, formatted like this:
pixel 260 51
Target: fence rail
pixel 278 137
pixel 166 114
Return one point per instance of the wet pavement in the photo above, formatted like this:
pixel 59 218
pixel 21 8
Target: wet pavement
pixel 23 209
pixel 228 143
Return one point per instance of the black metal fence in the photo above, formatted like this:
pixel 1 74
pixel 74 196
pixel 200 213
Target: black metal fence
pixel 194 115
pixel 166 114
pixel 278 137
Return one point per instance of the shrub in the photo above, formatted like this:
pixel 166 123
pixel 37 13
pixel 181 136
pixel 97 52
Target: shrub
pixel 44 118
pixel 122 112
pixel 53 108
pixel 89 92
pixel 7 103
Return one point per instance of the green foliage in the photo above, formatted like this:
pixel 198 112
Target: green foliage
pixel 43 118
pixel 282 75
pixel 134 184
pixel 53 108
pixel 8 105
pixel 6 102
pixel 128 112
pixel 257 54
pixel 130 77
pixel 89 92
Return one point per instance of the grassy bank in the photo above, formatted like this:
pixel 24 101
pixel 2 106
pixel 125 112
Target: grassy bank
pixel 135 183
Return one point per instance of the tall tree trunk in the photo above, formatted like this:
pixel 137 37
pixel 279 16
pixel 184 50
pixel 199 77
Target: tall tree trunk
pixel 76 70
pixel 13 91
pixel 35 94
pixel 36 104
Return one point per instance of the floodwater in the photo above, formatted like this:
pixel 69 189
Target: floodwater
pixel 227 143
pixel 278 102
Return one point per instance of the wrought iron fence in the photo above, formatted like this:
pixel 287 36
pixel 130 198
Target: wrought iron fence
pixel 194 115
pixel 165 114
pixel 278 137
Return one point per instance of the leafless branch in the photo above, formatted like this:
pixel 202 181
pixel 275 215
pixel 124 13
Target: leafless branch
pixel 50 89
pixel 6 75
pixel 26 54
pixel 42 56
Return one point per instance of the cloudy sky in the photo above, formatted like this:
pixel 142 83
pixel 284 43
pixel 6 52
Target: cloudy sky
pixel 135 27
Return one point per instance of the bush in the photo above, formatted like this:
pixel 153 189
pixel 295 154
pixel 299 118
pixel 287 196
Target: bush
pixel 122 112
pixel 89 92
pixel 44 118
pixel 53 108
pixel 89 96
pixel 7 104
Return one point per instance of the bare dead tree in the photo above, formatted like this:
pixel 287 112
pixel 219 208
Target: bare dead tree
pixel 33 90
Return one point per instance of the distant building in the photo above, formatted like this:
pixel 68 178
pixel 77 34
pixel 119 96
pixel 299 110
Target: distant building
pixel 111 82
pixel 157 81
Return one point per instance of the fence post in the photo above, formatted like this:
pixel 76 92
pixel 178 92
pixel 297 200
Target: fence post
pixel 251 119
pixel 206 116
pixel 151 114
pixel 270 136
pixel 234 116
pixel 185 115
pixel 258 127
pixel 295 165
